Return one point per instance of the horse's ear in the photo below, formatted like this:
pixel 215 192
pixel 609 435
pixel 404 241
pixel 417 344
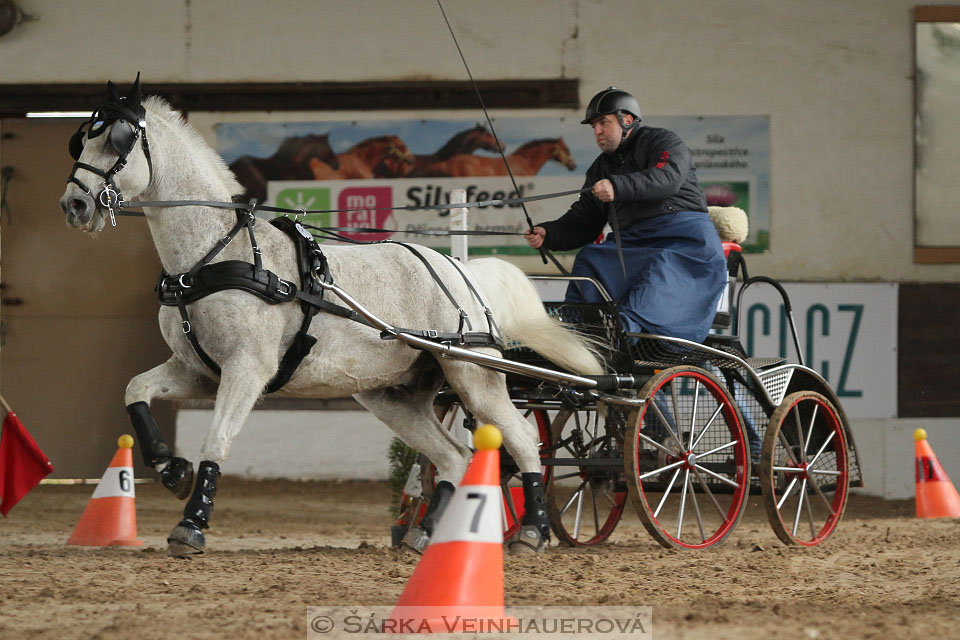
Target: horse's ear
pixel 112 94
pixel 133 95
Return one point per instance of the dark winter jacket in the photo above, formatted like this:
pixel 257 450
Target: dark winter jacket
pixel 652 174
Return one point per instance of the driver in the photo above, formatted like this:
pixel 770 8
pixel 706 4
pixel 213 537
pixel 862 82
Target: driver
pixel 645 185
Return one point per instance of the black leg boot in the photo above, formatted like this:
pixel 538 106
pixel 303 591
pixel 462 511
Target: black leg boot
pixel 418 535
pixel 535 526
pixel 176 474
pixel 187 538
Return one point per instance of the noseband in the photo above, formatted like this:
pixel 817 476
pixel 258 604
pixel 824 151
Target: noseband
pixel 126 126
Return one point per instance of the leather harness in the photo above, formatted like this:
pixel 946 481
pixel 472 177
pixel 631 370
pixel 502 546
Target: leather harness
pixel 180 290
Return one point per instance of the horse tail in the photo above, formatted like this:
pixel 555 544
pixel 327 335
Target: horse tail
pixel 518 311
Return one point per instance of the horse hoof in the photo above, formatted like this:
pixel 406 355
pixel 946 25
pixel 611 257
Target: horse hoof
pixel 528 540
pixel 185 540
pixel 177 476
pixel 416 540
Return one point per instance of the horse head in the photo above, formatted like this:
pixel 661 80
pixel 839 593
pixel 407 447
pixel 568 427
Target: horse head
pixel 108 165
pixel 561 153
pixel 480 138
pixel 298 151
pixel 396 160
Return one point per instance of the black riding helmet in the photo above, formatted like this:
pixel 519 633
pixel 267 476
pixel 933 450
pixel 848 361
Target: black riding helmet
pixel 613 101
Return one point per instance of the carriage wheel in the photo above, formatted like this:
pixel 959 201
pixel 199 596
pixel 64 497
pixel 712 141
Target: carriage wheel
pixel 511 482
pixel 803 469
pixel 688 455
pixel 585 503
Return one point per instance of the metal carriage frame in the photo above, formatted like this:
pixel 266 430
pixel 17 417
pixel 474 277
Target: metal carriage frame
pixel 685 431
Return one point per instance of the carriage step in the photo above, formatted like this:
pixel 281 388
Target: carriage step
pixel 758 364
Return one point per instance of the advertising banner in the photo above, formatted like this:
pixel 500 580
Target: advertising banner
pixel 371 166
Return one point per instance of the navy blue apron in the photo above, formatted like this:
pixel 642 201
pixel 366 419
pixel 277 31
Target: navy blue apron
pixel 675 275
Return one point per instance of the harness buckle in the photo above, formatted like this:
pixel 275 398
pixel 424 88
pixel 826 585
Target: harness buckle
pixel 112 198
pixel 183 285
pixel 226 240
pixel 317 275
pixel 284 288
pixel 185 325
pixel 433 333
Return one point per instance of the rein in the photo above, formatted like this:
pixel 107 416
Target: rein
pixel 123 205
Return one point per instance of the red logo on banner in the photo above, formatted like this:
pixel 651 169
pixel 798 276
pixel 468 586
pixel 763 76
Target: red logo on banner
pixel 370 206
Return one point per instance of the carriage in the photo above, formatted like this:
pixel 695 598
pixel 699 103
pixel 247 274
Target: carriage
pixel 689 430
pixel 686 431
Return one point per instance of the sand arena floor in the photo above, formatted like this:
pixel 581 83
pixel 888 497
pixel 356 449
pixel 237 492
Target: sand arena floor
pixel 277 547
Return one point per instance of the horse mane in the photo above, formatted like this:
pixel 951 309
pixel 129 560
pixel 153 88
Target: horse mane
pixel 195 143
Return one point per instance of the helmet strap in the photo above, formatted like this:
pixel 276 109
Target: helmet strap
pixel 627 128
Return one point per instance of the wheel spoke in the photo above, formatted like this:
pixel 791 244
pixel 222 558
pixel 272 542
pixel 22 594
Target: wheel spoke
pixel 666 493
pixel 656 444
pixel 788 448
pixel 796 519
pixel 717 476
pixel 706 489
pixel 572 498
pixel 707 426
pixel 672 465
pixel 786 493
pixel 696 510
pixel 683 502
pixel 816 487
pixel 579 512
pixel 813 420
pixel 732 443
pixel 596 516
pixel 828 472
pixel 693 414
pixel 676 438
pixel 676 405
pixel 796 421
pixel 813 526
pixel 825 443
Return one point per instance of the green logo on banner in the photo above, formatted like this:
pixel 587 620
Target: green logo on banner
pixel 309 199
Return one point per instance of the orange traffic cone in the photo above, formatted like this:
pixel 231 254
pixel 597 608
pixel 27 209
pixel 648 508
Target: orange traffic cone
pixel 111 516
pixel 458 584
pixel 936 495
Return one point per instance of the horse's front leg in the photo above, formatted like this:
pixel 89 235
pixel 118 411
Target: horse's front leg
pixel 241 383
pixel 171 381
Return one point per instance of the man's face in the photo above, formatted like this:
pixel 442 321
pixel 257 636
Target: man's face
pixel 607 131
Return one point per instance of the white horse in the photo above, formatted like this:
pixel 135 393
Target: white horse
pixel 247 337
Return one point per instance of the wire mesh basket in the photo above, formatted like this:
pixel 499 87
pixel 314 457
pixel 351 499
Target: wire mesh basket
pixel 599 323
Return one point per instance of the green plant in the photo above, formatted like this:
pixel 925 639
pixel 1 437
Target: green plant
pixel 401 459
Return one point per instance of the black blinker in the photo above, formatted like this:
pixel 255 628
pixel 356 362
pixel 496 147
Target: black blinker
pixel 76 143
pixel 122 137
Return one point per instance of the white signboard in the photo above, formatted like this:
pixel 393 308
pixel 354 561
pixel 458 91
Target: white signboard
pixel 848 334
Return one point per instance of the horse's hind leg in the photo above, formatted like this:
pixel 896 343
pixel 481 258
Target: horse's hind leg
pixel 171 380
pixel 240 386
pixel 409 412
pixel 484 393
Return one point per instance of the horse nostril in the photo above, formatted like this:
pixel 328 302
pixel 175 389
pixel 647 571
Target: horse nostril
pixel 77 208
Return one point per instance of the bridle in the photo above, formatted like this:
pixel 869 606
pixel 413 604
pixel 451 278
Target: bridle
pixel 126 126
